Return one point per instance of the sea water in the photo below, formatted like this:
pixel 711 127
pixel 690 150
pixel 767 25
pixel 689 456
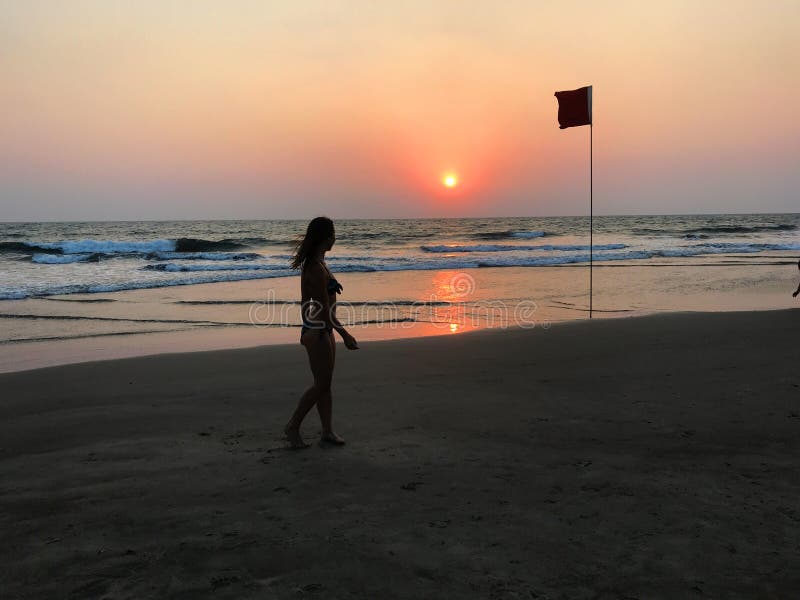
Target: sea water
pixel 108 280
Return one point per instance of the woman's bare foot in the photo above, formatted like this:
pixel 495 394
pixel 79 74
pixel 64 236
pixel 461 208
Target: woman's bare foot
pixel 333 438
pixel 294 439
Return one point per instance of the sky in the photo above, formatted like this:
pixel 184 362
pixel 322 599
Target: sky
pixel 261 109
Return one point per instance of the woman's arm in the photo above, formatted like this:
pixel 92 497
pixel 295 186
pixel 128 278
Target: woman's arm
pixel 347 338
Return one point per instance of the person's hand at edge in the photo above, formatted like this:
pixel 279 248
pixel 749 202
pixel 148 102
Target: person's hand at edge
pixel 350 342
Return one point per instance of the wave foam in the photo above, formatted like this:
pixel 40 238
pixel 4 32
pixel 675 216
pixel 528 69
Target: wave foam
pixel 107 246
pixel 17 294
pixel 447 248
pixel 60 259
pixel 498 235
pixel 183 245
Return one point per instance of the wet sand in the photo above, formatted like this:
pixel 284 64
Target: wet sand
pixel 56 330
pixel 647 457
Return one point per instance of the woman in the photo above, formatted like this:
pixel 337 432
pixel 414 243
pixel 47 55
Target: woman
pixel 318 289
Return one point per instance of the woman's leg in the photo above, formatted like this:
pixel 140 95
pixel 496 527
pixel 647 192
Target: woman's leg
pixel 319 357
pixel 325 403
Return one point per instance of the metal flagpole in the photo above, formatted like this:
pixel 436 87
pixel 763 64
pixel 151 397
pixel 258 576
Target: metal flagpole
pixel 590 220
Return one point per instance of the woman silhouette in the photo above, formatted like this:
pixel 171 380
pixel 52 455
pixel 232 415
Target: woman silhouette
pixel 318 289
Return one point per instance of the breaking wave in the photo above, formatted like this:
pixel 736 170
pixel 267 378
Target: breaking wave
pixel 499 235
pixel 112 247
pixel 447 248
pixel 704 232
pixel 61 259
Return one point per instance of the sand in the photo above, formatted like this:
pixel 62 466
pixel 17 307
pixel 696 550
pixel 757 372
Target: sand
pixel 647 457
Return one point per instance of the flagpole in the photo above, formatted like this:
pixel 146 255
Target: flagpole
pixel 590 220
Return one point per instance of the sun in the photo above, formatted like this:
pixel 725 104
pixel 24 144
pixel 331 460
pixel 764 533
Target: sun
pixel 449 180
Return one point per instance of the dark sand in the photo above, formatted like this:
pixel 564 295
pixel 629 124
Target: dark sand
pixel 652 457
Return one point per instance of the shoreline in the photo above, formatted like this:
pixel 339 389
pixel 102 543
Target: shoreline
pixel 289 333
pixel 81 328
pixel 644 457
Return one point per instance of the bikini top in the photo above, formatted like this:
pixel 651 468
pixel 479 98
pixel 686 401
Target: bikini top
pixel 334 287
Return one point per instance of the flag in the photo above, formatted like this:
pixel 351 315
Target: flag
pixel 574 107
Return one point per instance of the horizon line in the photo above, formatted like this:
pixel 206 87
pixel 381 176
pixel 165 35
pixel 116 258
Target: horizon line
pixel 303 219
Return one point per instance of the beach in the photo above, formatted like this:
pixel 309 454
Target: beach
pixel 645 457
pixel 571 289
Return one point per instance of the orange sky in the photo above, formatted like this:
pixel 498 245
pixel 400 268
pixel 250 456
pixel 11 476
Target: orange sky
pixel 355 109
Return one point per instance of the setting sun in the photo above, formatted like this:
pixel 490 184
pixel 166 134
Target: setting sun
pixel 450 180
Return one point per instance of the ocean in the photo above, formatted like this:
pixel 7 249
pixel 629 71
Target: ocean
pixel 45 259
pixel 90 280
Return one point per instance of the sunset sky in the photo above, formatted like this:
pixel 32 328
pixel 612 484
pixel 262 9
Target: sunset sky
pixel 258 109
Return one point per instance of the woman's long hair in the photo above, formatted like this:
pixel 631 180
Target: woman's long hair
pixel 319 230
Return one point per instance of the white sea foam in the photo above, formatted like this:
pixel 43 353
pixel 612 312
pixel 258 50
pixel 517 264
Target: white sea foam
pixel 527 235
pixel 60 259
pixel 445 248
pixel 108 246
pixel 16 294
